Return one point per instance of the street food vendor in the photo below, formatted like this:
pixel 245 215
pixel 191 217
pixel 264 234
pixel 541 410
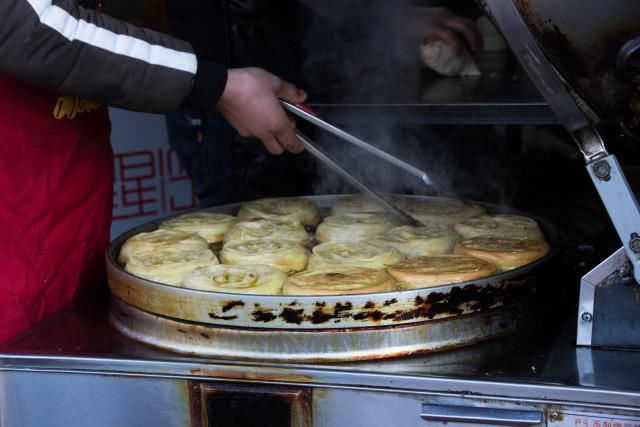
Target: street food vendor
pixel 61 64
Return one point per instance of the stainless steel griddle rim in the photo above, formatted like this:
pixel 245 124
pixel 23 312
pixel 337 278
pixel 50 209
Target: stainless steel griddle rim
pixel 312 346
pixel 324 201
pixel 327 377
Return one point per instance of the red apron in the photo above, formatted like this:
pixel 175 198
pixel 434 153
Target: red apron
pixel 56 193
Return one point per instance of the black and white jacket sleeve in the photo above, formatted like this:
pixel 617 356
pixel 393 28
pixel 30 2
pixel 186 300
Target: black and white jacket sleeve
pixel 57 45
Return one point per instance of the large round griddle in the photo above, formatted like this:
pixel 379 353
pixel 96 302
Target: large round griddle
pixel 318 312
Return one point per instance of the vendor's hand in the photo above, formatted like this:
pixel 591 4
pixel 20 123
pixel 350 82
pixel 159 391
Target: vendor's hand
pixel 250 103
pixel 439 23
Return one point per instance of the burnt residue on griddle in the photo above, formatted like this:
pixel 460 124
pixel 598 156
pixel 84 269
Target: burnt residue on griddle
pixel 291 315
pixel 231 304
pixel 182 331
pixel 263 315
pixel 374 315
pixel 457 300
pixel 318 316
pixel 216 317
pixel 471 297
pixel 203 335
pixel 342 311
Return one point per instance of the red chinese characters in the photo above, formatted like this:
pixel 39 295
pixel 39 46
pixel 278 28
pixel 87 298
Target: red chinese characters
pixel 150 183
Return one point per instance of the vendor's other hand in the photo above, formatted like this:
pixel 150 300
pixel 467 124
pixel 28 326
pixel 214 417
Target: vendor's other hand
pixel 439 23
pixel 250 103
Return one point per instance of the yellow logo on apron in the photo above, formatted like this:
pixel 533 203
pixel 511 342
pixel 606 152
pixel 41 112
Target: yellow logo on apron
pixel 71 106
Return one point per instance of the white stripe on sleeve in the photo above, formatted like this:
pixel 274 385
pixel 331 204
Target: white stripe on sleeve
pixel 73 29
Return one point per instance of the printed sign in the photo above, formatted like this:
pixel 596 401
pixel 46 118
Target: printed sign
pixel 149 182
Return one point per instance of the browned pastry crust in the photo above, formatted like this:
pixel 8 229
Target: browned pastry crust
pixel 260 228
pixel 443 212
pixel 360 203
pixel 210 225
pixel 338 281
pixel 353 227
pixel 504 253
pixel 424 272
pixel 500 225
pixel 281 209
pixel 287 256
pixel 160 240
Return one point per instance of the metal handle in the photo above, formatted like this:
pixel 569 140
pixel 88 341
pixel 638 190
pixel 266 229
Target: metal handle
pixel 311 116
pixel 469 414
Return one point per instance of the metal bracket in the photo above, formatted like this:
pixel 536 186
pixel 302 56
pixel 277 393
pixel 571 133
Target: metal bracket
pixel 621 204
pixel 586 307
pixel 609 309
pixel 481 415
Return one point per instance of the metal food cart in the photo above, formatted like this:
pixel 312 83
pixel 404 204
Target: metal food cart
pixel 75 369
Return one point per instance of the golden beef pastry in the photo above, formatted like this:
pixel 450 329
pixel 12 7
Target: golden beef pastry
pixel 212 226
pixel 239 279
pixel 352 254
pixel 353 227
pixel 338 281
pixel 159 240
pixel 285 255
pixel 281 209
pixel 169 266
pixel 501 225
pixel 504 253
pixel 433 239
pixel 351 204
pixel 428 271
pixel 260 228
pixel 443 212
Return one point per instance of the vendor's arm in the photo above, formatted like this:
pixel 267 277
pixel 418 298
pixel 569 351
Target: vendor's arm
pixel 67 49
pixel 57 45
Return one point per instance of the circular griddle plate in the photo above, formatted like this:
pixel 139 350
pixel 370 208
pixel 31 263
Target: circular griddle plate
pixel 321 345
pixel 282 312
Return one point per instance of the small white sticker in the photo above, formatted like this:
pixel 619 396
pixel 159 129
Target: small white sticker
pixel 578 419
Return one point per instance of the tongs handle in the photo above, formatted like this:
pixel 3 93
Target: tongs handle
pixel 311 148
pixel 304 112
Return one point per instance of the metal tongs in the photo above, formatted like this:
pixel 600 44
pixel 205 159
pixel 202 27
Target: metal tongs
pixel 307 114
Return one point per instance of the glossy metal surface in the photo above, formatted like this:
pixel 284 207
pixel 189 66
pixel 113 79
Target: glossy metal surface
pixel 583 39
pixel 506 98
pixel 541 365
pixel 323 312
pixel 535 64
pixel 481 415
pixel 319 345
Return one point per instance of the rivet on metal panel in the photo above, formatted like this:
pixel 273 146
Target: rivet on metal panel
pixel 587 317
pixel 602 170
pixel 634 243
